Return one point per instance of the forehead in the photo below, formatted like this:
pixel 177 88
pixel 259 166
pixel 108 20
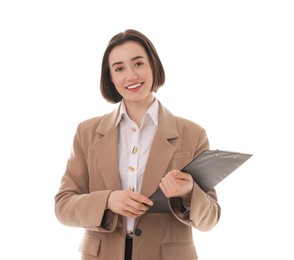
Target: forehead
pixel 126 52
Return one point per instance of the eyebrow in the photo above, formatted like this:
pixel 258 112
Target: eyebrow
pixel 120 62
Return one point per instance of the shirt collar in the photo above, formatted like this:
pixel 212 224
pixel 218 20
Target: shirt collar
pixel 152 112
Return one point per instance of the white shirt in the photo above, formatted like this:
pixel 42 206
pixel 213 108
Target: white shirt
pixel 134 148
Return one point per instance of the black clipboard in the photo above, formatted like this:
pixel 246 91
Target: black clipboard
pixel 207 169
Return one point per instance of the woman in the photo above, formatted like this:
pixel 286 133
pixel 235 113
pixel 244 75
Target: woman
pixel 120 159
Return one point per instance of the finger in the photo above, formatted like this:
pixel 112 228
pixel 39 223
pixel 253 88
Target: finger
pixel 182 175
pixel 136 209
pixel 141 199
pixel 130 214
pixel 132 208
pixel 175 187
pixel 176 174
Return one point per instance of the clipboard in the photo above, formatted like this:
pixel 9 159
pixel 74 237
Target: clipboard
pixel 207 169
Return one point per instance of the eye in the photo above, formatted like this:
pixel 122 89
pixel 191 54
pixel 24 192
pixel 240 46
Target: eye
pixel 139 64
pixel 119 69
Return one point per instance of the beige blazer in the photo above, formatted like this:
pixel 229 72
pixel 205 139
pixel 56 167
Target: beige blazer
pixel 92 173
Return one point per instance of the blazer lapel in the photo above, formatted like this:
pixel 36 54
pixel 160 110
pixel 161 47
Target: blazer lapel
pixel 160 155
pixel 161 152
pixel 106 149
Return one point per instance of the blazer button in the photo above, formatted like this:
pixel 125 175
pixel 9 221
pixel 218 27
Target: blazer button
pixel 138 231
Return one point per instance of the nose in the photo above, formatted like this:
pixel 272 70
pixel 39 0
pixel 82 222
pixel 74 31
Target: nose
pixel 132 74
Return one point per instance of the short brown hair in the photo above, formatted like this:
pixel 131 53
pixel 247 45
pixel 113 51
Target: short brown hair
pixel 107 88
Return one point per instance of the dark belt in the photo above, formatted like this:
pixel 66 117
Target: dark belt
pixel 129 246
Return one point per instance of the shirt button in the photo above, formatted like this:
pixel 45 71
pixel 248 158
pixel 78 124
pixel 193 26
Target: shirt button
pixel 135 149
pixel 131 188
pixel 138 231
pixel 131 168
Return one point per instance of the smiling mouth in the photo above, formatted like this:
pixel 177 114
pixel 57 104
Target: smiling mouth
pixel 131 87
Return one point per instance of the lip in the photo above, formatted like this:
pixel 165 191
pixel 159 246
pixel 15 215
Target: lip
pixel 135 86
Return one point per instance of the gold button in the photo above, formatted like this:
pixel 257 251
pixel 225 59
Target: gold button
pixel 131 188
pixel 135 149
pixel 131 168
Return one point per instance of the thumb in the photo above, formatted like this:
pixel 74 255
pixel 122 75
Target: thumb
pixel 181 175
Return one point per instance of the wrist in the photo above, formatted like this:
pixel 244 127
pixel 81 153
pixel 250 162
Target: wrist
pixel 186 199
pixel 185 207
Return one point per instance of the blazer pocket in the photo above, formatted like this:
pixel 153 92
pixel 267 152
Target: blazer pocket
pixel 90 245
pixel 180 160
pixel 182 155
pixel 175 251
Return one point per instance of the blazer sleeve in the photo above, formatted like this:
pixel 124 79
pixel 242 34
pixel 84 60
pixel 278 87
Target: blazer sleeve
pixel 74 204
pixel 204 210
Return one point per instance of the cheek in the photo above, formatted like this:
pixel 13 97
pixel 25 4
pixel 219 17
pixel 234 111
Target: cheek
pixel 118 83
pixel 150 75
pixel 117 76
pixel 115 79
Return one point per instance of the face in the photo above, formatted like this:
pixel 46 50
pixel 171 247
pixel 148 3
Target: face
pixel 131 72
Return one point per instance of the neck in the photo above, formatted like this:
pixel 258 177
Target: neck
pixel 137 110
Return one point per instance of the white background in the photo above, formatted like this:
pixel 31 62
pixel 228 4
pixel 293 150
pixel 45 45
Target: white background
pixel 229 67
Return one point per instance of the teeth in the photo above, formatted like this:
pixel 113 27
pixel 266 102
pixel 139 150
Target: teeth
pixel 134 86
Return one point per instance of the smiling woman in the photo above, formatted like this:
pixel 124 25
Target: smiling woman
pixel 229 67
pixel 145 54
pixel 120 159
pixel 131 74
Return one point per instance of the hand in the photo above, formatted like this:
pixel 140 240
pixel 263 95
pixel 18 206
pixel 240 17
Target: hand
pixel 177 184
pixel 128 203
